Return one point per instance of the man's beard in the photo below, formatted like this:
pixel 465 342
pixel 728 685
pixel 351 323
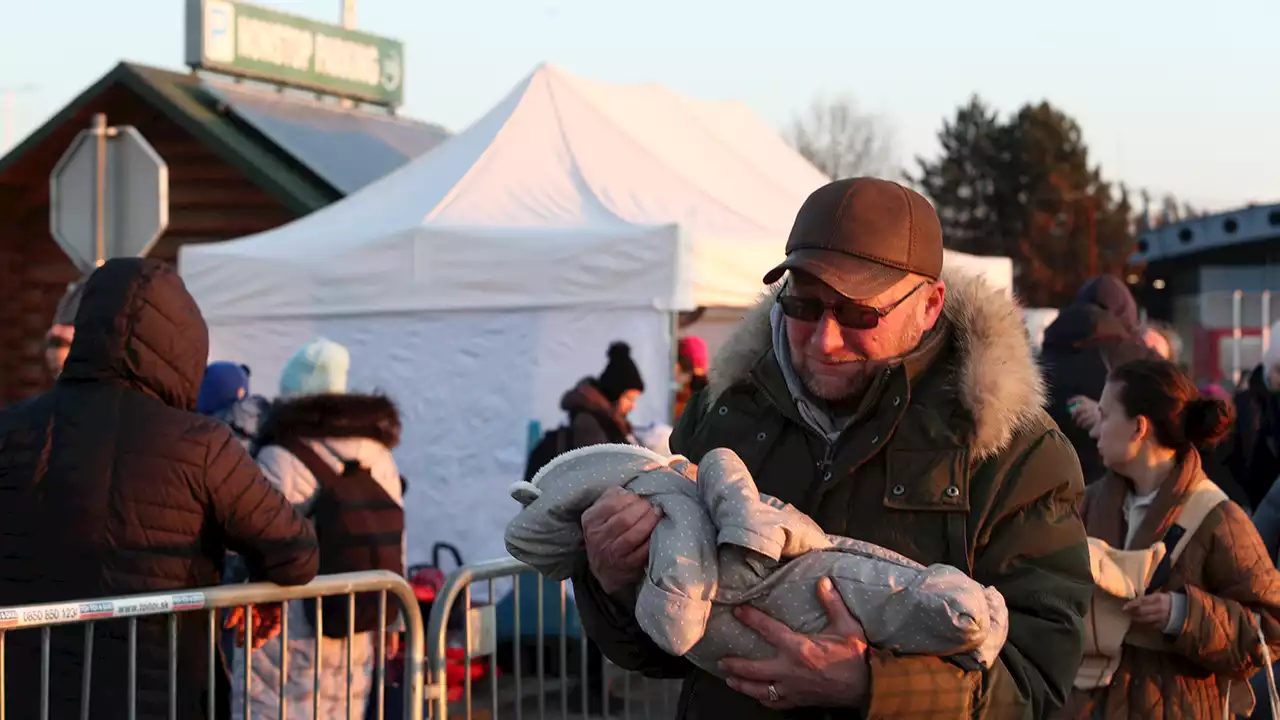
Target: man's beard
pixel 835 390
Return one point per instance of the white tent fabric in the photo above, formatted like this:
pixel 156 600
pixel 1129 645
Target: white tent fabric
pixel 569 191
pixel 479 282
pixel 468 384
pixel 565 175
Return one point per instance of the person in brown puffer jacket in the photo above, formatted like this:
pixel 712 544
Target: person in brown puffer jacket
pixel 1196 625
pixel 110 484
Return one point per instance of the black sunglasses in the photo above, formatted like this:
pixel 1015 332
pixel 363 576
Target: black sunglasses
pixel 852 315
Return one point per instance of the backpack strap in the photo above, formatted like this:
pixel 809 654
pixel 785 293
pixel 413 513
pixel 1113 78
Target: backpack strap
pixel 301 449
pixel 1203 499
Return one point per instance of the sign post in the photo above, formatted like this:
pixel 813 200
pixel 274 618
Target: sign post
pixel 99 189
pixel 108 195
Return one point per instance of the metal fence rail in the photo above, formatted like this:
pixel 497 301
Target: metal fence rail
pixel 210 600
pixel 478 639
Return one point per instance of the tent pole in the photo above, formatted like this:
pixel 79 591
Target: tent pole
pixel 673 359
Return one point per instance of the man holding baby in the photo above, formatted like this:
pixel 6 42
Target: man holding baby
pixel 898 404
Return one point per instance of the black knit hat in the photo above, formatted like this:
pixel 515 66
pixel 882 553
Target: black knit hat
pixel 621 374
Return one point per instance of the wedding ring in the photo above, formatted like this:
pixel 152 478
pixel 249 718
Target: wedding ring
pixel 773 693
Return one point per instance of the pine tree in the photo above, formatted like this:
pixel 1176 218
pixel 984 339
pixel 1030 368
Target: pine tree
pixel 962 181
pixel 1024 188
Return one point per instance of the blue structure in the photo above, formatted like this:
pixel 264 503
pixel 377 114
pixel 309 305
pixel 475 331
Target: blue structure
pixel 1210 278
pixel 1235 229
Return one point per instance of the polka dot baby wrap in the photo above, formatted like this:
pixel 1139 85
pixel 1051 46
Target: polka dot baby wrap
pixel 720 543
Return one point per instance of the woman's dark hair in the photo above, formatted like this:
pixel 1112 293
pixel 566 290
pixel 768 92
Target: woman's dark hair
pixel 1163 393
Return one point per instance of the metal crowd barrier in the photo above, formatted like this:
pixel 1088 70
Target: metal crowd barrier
pixel 212 599
pixel 478 640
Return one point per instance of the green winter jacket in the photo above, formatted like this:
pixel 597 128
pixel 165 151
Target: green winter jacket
pixel 957 463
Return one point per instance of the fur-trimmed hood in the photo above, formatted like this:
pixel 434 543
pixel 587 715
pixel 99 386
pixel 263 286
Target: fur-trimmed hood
pixel 998 380
pixel 333 416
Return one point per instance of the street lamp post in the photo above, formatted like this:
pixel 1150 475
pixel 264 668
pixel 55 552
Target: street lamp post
pixel 348 22
pixel 10 98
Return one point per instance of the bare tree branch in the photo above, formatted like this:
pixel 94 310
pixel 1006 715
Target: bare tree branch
pixel 842 141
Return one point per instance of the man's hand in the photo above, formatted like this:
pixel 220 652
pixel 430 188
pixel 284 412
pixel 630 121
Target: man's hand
pixel 616 531
pixel 827 669
pixel 266 623
pixel 1151 610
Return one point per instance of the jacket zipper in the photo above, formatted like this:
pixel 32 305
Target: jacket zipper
pixel 828 456
pixel 824 478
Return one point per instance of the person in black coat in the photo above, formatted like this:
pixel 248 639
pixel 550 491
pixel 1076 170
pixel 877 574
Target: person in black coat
pixel 1097 332
pixel 598 407
pixel 111 484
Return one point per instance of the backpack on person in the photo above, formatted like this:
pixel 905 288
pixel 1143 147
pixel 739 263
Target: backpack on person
pixel 554 443
pixel 359 527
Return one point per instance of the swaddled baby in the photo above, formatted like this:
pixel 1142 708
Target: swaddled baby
pixel 720 543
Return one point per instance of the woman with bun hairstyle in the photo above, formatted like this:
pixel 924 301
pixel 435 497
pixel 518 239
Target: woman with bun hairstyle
pixel 1186 638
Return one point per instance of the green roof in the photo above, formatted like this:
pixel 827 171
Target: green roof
pixel 181 97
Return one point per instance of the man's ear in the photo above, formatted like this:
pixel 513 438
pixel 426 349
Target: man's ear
pixel 933 304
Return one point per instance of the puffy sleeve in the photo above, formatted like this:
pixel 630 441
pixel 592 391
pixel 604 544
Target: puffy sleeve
pixel 1240 584
pixel 259 521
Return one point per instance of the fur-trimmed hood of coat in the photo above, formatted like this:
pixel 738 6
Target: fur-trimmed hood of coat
pixel 997 380
pixel 333 416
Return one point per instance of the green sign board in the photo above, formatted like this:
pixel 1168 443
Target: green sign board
pixel 236 38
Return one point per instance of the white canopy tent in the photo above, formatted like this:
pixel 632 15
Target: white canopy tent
pixel 477 283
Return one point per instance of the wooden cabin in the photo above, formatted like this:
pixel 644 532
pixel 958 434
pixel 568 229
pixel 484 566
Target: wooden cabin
pixel 231 174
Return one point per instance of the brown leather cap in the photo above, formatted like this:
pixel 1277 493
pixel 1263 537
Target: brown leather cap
pixel 862 235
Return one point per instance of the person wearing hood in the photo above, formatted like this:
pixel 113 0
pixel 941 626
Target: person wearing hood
pixel 329 451
pixel 224 394
pixel 1097 332
pixel 598 408
pixel 111 484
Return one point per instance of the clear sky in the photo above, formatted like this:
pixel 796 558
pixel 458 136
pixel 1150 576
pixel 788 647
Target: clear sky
pixel 1175 96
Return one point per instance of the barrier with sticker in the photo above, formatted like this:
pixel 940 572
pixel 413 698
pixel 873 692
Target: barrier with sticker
pixel 62 613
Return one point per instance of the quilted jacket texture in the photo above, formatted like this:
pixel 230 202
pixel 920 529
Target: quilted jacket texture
pixel 1228 579
pixel 110 484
